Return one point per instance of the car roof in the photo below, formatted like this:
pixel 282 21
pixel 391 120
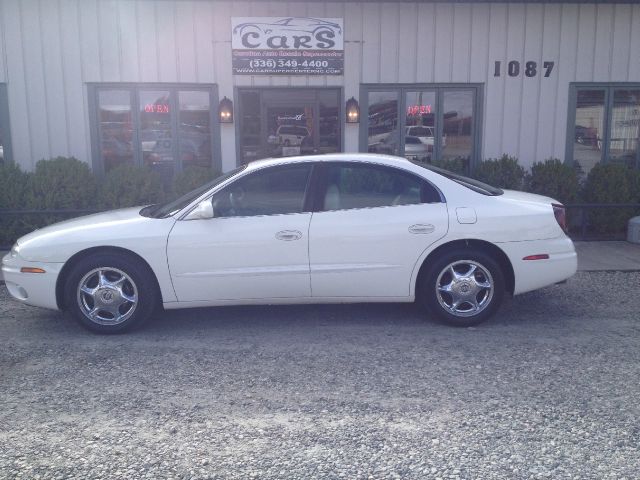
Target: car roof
pixel 389 160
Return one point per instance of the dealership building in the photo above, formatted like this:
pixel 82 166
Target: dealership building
pixel 175 83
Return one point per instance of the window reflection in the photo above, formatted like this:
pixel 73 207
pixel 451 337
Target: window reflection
pixel 457 139
pixel 194 129
pixel 590 114
pixel 116 129
pixel 383 123
pixel 419 140
pixel 155 132
pixel 285 122
pixel 274 191
pixel 625 126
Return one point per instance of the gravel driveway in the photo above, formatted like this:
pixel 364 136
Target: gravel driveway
pixel 550 388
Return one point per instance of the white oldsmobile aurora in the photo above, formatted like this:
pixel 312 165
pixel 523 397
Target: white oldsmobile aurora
pixel 337 228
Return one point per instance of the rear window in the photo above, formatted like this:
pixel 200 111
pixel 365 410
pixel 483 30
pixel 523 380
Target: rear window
pixel 470 183
pixel 420 131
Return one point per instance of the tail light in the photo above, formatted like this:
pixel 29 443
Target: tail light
pixel 561 215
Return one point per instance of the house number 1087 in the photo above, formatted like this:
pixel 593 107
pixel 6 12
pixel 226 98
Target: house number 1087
pixel 530 68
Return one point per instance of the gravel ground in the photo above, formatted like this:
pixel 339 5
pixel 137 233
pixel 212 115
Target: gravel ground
pixel 547 389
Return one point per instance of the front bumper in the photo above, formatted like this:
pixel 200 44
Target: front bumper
pixel 38 289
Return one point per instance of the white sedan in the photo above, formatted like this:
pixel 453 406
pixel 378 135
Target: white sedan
pixel 337 228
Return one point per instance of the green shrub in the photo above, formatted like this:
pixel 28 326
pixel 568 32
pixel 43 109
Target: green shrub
pixel 191 178
pixel 13 193
pixel 611 183
pixel 13 186
pixel 62 183
pixel 129 186
pixel 456 165
pixel 554 179
pixel 503 172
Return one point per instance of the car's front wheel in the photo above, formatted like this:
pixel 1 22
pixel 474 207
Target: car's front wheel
pixel 110 293
pixel 463 288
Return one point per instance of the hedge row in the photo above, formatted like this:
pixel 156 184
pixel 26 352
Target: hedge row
pixel 605 183
pixel 66 183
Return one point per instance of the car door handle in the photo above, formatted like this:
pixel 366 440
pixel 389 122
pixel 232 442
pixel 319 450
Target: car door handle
pixel 289 235
pixel 421 228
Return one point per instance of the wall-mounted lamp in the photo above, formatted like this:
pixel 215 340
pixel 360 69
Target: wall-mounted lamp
pixel 226 110
pixel 352 111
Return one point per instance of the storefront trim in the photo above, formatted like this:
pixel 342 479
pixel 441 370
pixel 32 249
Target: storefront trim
pixel 571 116
pixel 406 87
pixel 93 89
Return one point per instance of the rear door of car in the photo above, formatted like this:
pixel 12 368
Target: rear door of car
pixel 370 226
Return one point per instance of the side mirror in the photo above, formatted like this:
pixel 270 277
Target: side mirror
pixel 203 211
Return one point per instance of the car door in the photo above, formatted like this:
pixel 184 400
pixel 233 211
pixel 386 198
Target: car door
pixel 255 246
pixel 372 225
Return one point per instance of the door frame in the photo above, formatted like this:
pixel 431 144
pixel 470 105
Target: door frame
pixel 237 90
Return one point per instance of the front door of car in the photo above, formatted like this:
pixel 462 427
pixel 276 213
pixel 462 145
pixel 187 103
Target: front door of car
pixel 373 225
pixel 255 246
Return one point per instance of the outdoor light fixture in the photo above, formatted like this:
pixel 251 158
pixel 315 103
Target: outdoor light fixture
pixel 352 111
pixel 226 110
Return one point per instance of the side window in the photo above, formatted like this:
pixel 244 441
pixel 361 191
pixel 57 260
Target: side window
pixel 272 191
pixel 367 186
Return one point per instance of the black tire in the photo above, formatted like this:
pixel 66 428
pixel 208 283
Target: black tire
pixel 469 286
pixel 136 282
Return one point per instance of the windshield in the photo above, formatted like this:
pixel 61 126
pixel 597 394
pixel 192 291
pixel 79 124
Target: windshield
pixel 470 183
pixel 163 210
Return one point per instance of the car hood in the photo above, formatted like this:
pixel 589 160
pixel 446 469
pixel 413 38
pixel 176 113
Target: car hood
pixel 124 228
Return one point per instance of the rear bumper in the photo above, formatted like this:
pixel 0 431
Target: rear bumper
pixel 38 289
pixel 533 274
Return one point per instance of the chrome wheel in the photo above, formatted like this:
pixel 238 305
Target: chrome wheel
pixel 107 296
pixel 464 288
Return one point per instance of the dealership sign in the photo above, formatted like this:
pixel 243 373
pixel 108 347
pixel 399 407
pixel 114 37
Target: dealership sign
pixel 287 46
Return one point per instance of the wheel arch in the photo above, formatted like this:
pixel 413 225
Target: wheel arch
pixel 62 277
pixel 472 244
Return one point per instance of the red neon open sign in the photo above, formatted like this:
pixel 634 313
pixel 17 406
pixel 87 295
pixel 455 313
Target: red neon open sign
pixel 156 108
pixel 418 110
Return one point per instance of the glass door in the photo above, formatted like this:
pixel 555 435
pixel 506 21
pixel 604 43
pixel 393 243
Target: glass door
pixel 278 122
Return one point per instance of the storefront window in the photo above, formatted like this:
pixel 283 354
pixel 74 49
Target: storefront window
pixel 156 139
pixel 625 126
pixel 167 130
pixel 382 123
pixel 589 130
pixel 457 138
pixel 420 129
pixel 194 129
pixel 116 128
pixel 606 126
pixel 437 122
pixel 277 122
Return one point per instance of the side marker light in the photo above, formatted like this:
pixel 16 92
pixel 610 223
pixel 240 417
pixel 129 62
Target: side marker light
pixel 540 256
pixel 31 270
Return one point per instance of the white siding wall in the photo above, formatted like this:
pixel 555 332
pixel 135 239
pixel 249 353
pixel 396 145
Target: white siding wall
pixel 50 49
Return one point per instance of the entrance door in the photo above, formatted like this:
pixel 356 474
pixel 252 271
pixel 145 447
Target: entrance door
pixel 279 122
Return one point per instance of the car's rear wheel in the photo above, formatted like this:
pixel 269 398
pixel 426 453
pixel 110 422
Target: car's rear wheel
pixel 110 293
pixel 463 287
